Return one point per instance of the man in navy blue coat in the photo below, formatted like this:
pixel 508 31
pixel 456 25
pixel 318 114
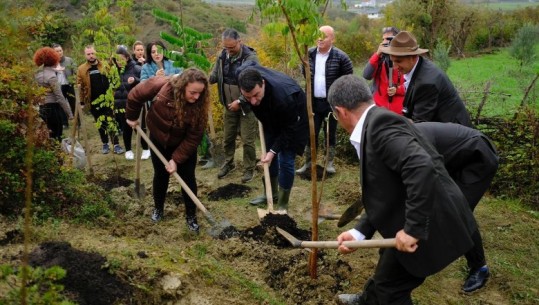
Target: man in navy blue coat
pixel 279 103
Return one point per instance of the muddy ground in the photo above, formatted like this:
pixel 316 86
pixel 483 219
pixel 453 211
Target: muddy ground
pixel 241 259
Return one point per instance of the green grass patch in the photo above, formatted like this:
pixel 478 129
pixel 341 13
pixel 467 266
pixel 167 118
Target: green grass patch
pixel 509 82
pixel 506 6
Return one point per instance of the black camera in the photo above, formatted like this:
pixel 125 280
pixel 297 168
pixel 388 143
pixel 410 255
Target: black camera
pixel 388 41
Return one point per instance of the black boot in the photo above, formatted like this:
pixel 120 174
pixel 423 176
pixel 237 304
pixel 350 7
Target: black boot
pixel 262 199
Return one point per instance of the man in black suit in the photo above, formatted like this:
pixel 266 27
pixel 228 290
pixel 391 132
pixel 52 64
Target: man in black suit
pixel 279 103
pixel 407 194
pixel 472 161
pixel 430 95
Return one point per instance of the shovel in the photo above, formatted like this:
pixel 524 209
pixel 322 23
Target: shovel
pixel 333 244
pixel 322 217
pixel 216 229
pixel 269 192
pixel 140 189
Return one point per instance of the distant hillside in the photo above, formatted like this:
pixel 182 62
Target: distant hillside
pixel 200 15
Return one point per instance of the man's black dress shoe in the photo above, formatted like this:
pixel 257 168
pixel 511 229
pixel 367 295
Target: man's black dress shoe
pixel 476 279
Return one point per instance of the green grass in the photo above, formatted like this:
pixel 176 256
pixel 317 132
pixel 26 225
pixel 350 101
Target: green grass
pixel 506 6
pixel 508 82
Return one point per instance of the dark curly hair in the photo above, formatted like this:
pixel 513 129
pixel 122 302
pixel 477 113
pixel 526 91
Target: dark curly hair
pixel 47 57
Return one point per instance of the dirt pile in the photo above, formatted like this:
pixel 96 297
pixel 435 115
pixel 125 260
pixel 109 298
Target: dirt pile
pixel 87 280
pixel 283 268
pixel 229 191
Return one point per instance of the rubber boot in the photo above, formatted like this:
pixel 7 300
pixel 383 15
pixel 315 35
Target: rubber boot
pixel 283 197
pixel 307 164
pixel 330 168
pixel 263 199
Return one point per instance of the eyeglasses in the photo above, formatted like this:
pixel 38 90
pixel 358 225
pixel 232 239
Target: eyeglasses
pixel 333 113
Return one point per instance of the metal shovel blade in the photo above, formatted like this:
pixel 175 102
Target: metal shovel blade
pixel 370 243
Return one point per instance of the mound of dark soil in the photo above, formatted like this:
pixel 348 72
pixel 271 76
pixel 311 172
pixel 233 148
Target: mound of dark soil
pixel 229 191
pixel 87 281
pixel 319 172
pixel 13 236
pixel 266 231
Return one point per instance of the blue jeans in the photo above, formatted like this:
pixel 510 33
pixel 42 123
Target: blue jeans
pixel 282 164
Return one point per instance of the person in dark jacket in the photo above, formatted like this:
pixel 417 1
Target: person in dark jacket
pixel 424 211
pixel 176 121
pixel 94 84
pixel 238 116
pixel 430 95
pixel 279 103
pixel 472 161
pixel 327 63
pixel 138 53
pixel 129 73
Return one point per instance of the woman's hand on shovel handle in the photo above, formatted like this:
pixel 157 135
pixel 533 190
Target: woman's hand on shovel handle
pixel 171 167
pixel 345 236
pixel 132 124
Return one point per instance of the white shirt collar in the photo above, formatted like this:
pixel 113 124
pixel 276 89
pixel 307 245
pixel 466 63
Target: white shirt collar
pixel 408 76
pixel 355 137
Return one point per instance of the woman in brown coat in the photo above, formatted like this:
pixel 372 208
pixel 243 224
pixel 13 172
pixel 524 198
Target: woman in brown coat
pixel 176 120
pixel 50 109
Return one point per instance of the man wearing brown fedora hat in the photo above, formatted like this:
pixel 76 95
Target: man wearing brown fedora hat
pixel 430 95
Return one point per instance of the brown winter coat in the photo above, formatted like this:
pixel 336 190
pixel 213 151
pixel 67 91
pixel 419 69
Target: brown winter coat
pixel 162 120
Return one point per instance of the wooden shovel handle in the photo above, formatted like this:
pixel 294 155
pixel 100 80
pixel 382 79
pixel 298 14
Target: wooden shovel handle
pixel 182 183
pixel 138 150
pixel 369 243
pixel 267 182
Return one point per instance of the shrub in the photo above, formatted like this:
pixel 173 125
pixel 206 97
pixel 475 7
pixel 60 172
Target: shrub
pixel 42 287
pixel 517 144
pixel 522 48
pixel 441 55
pixel 57 190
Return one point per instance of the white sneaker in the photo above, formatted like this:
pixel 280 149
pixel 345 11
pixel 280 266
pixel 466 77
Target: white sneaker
pixel 145 154
pixel 129 155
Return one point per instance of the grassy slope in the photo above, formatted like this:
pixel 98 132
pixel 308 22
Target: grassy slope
pixel 510 233
pixel 508 82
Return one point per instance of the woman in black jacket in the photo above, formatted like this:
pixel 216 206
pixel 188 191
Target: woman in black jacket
pixel 129 73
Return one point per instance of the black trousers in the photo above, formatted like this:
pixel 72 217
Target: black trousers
pixel 103 132
pixel 51 113
pixel 391 284
pixel 161 178
pixel 69 93
pixel 321 111
pixel 128 131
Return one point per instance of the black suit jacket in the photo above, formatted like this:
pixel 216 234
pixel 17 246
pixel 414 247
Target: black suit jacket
pixel 431 97
pixel 406 186
pixel 469 156
pixel 282 111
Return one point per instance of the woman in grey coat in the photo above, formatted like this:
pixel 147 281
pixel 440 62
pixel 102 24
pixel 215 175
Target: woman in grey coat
pixel 53 102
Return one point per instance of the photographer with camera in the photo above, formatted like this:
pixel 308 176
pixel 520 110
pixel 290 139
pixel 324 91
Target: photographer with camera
pixel 388 92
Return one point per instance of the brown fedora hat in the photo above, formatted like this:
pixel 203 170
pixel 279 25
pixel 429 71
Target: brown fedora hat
pixel 404 43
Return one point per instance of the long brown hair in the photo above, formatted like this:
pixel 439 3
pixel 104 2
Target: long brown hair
pixel 197 113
